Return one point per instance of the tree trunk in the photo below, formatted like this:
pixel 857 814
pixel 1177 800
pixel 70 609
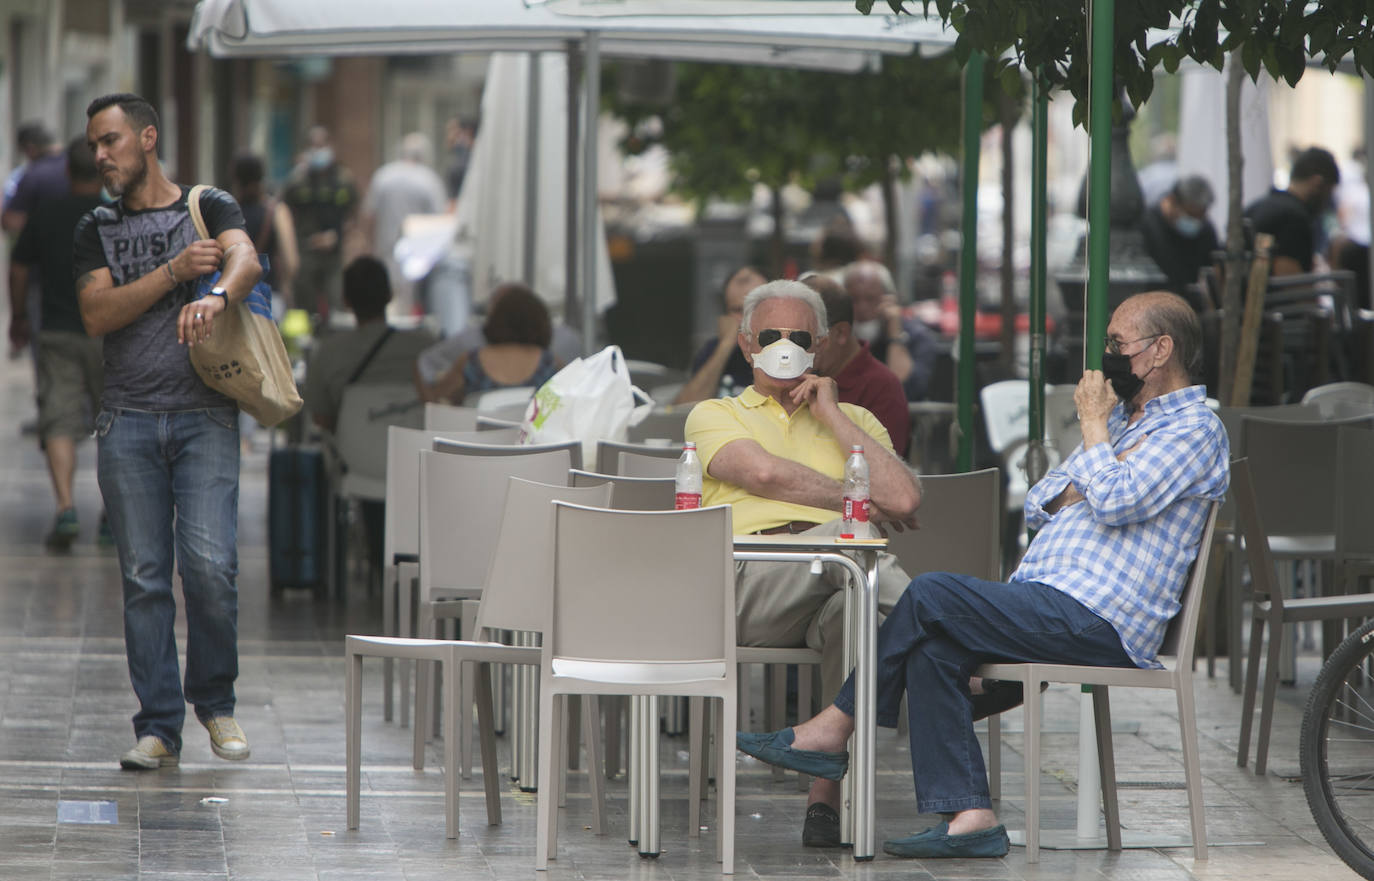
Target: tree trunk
pixel 891 214
pixel 776 252
pixel 1234 287
pixel 1007 110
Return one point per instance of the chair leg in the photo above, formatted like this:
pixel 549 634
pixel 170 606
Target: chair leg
pixel 466 630
pixel 564 745
pixel 491 774
pixel 1252 663
pixel 614 708
pixel 388 629
pixel 694 761
pixel 596 775
pixel 995 756
pixel 775 705
pixel 633 772
pixel 406 586
pixel 451 772
pixel 574 727
pixel 1271 687
pixel 1106 764
pixel 1032 711
pixel 546 825
pixel 805 675
pixel 1192 766
pixel 648 762
pixel 353 733
pixel 424 679
pixel 725 789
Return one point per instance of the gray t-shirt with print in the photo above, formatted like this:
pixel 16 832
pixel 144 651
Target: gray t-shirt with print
pixel 145 367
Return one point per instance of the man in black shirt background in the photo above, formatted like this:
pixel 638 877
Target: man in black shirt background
pixel 1179 236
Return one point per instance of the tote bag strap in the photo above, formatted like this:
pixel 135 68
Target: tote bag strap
pixel 193 205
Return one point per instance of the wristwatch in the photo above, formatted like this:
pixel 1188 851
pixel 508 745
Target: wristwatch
pixel 218 291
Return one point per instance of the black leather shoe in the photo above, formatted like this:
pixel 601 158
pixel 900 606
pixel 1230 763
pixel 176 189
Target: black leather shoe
pixel 822 826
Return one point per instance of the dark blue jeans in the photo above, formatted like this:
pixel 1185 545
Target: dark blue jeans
pixel 171 486
pixel 942 628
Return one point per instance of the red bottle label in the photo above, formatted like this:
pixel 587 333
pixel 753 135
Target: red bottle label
pixel 857 513
pixel 686 501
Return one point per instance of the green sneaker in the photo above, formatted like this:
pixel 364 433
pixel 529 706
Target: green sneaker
pixel 104 537
pixel 65 529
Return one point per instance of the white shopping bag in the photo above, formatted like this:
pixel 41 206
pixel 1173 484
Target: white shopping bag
pixel 588 400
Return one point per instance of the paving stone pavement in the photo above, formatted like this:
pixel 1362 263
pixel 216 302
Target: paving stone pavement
pixel 65 704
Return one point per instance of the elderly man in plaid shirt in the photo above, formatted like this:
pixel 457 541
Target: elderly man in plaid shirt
pixel 1119 524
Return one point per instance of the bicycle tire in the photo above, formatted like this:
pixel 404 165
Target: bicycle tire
pixel 1337 751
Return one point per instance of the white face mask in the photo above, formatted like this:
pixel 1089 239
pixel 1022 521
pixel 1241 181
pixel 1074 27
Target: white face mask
pixel 784 360
pixel 868 331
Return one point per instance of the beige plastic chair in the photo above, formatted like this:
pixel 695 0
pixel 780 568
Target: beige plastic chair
pixel 1353 497
pixel 502 399
pixel 446 417
pixel 630 464
pixel 1177 655
pixel 608 455
pixel 517 592
pixel 662 422
pixel 462 495
pixel 489 423
pixel 632 493
pixel 669 566
pixel 401 542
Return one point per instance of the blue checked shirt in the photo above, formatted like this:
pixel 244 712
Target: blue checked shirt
pixel 1124 552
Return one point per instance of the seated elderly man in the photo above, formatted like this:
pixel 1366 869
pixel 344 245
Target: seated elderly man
pixel 776 453
pixel 1119 522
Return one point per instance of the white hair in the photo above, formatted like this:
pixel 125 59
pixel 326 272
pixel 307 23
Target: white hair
pixel 860 269
pixel 415 148
pixel 784 289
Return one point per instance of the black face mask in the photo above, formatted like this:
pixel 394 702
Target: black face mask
pixel 1117 370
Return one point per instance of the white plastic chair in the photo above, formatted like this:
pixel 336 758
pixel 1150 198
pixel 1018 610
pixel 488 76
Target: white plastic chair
pixel 1341 398
pixel 446 417
pixel 1177 652
pixel 517 591
pixel 668 422
pixel 608 454
pixel 503 398
pixel 631 493
pixel 670 566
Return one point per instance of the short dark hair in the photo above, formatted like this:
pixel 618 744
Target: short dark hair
pixel 366 287
pixel 839 306
pixel 1315 160
pixel 517 315
pixel 81 161
pixel 139 112
pixel 1193 191
pixel 33 134
pixel 748 267
pixel 247 169
pixel 839 247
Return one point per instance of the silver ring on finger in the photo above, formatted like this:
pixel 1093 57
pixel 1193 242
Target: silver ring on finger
pixel 198 316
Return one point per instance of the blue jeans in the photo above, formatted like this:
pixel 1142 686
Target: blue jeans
pixel 942 628
pixel 171 485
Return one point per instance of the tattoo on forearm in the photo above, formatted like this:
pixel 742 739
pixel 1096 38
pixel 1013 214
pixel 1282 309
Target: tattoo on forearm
pixel 84 280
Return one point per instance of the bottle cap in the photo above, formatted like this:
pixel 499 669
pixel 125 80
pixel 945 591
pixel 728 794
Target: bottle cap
pixel 856 448
pixel 690 445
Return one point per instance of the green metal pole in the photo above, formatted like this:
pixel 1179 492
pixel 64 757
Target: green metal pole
pixel 1101 96
pixel 968 257
pixel 1040 114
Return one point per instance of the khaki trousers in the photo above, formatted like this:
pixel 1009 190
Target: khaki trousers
pixel 782 605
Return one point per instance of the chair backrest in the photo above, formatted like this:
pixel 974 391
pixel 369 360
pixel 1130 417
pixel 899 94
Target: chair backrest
pixel 641 465
pixel 669 595
pixel 1232 417
pixel 401 533
pixel 1006 411
pixel 662 422
pixel 1331 396
pixel 446 417
pixel 1180 637
pixel 519 580
pixel 608 451
pixel 365 413
pixel 1355 492
pixel 503 398
pixel 632 493
pixel 960 518
pixel 461 501
pixel 647 374
pixel 1293 466
pixel 1061 419
pixel 1251 524
pixel 503 443
pixel 491 423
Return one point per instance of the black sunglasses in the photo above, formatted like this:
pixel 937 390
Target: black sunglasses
pixel 768 337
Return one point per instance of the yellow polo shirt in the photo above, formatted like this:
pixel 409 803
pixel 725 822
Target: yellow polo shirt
pixel 800 437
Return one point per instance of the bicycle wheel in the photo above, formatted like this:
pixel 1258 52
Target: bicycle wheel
pixel 1337 751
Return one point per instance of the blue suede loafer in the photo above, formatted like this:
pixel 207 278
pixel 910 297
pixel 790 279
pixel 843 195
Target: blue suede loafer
pixel 936 843
pixel 775 748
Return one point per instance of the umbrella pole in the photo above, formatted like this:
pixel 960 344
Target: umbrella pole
pixel 968 256
pixel 570 203
pixel 533 109
pixel 591 112
pixel 1037 330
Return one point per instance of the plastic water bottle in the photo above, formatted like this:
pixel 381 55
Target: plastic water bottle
pixel 854 522
pixel 688 478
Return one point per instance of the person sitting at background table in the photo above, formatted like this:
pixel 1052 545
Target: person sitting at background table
pixel 517 332
pixel 1120 521
pixel 776 454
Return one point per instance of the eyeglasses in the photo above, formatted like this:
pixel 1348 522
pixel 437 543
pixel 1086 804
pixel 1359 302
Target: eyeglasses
pixel 768 337
pixel 1114 345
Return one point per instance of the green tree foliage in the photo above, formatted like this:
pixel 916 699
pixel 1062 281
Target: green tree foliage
pixel 1277 36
